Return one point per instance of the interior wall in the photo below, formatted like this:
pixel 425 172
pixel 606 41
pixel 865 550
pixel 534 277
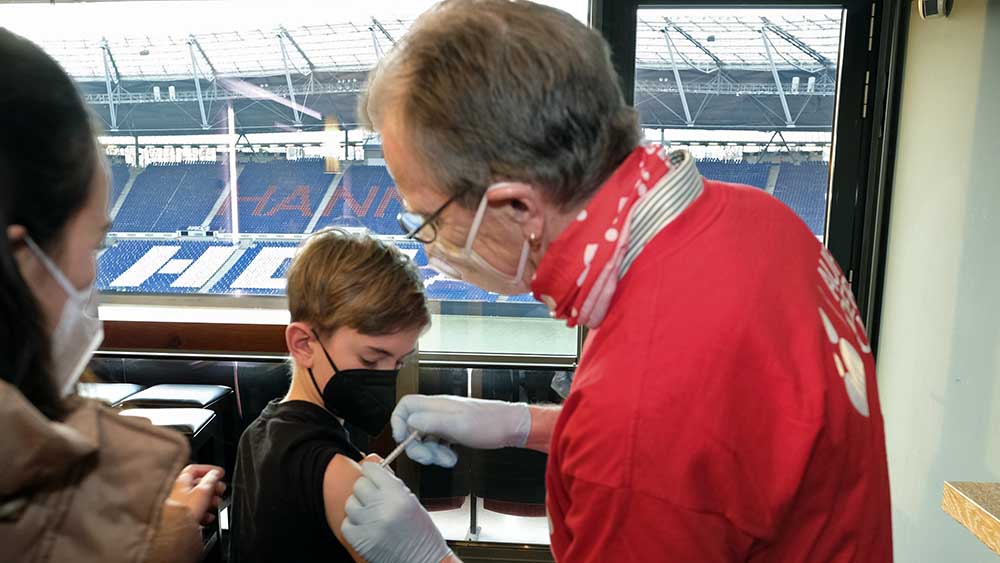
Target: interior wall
pixel 939 357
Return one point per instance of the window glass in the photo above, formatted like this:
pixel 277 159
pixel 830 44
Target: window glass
pixel 232 135
pixel 491 495
pixel 750 92
pixel 501 491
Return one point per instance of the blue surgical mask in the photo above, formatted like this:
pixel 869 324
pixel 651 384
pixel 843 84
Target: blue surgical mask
pixel 79 332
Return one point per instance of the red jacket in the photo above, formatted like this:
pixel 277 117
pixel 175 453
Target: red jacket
pixel 726 408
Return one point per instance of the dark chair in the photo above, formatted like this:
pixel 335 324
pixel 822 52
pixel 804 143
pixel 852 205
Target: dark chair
pixel 216 398
pixel 442 488
pixel 512 480
pixel 254 383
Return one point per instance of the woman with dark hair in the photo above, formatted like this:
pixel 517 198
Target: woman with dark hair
pixel 77 482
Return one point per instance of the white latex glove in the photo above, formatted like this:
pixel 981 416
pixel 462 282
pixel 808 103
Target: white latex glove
pixel 469 422
pixel 385 523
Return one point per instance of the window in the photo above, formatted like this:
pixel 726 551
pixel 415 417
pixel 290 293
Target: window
pixel 232 135
pixel 490 496
pixel 749 91
pixel 195 95
pixel 787 96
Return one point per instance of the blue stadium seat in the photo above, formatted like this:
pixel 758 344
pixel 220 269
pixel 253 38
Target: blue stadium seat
pixel 122 255
pixel 275 198
pixel 280 196
pixel 366 197
pixel 803 187
pixel 414 250
pixel 735 172
pixel 169 197
pixel 453 290
pixel 119 178
pixel 265 278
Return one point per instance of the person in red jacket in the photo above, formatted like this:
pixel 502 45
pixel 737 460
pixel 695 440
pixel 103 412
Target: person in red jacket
pixel 725 406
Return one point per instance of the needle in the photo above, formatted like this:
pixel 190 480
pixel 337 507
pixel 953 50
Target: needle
pixel 399 449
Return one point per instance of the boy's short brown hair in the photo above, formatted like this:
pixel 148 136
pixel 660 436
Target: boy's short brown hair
pixel 340 279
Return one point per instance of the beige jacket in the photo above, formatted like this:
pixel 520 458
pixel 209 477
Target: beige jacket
pixel 90 489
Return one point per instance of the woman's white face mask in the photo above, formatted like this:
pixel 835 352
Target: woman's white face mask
pixel 467 265
pixel 79 332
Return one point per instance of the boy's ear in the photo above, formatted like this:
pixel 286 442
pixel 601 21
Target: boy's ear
pixel 298 337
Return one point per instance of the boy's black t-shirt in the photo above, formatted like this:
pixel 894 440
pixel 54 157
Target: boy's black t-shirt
pixel 277 510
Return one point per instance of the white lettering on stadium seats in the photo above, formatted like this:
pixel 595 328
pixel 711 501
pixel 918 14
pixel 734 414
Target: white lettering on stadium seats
pixel 145 267
pixel 204 267
pixel 260 273
pixel 175 266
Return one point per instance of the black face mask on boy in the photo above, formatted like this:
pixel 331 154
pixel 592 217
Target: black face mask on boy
pixel 363 397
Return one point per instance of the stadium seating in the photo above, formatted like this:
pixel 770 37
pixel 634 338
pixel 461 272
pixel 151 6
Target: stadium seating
pixel 171 267
pixel 157 266
pixel 803 187
pixel 119 178
pixel 366 197
pixel 259 277
pixel 452 290
pixel 169 197
pixel 735 172
pixel 280 196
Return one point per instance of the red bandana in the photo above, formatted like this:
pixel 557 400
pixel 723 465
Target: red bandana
pixel 579 272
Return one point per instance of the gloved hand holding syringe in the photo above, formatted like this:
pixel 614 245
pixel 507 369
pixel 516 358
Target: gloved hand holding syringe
pixel 399 449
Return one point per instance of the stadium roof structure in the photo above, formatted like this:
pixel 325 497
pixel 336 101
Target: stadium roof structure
pixel 694 68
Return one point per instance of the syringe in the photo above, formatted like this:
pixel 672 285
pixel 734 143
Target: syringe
pixel 399 449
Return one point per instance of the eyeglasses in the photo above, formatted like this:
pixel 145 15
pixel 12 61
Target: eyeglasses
pixel 420 228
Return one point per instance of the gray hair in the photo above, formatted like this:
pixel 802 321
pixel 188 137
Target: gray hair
pixel 493 90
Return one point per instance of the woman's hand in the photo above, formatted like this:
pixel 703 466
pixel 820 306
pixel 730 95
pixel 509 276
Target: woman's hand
pixel 199 488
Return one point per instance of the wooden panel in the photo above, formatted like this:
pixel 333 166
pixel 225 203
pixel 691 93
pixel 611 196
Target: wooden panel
pixel 194 337
pixel 977 507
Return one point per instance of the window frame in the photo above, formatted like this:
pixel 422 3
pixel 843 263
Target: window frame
pixel 863 153
pixel 863 135
pixel 236 341
pixel 859 231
